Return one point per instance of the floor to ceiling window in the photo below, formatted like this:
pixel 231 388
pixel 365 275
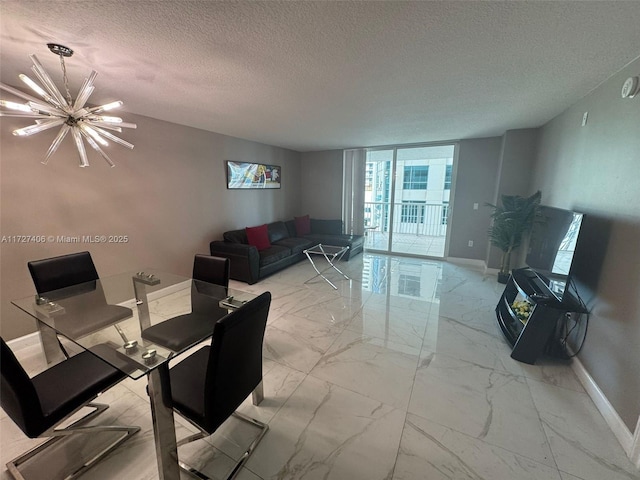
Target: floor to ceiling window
pixel 406 199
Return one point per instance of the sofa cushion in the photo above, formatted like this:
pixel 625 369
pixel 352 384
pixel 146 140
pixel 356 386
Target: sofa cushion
pixel 335 240
pixel 296 244
pixel 236 236
pixel 273 254
pixel 326 227
pixel 258 237
pixel 277 231
pixel 291 228
pixel 303 225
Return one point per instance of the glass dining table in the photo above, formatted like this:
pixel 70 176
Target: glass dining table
pixel 137 322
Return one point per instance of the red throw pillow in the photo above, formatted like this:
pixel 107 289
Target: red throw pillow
pixel 303 225
pixel 258 237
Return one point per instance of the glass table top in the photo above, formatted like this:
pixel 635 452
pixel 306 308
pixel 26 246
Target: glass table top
pixel 322 249
pixel 117 318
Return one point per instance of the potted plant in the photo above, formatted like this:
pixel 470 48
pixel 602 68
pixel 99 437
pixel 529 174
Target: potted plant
pixel 511 222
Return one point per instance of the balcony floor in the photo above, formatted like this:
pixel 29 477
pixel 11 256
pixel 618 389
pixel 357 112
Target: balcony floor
pixel 405 243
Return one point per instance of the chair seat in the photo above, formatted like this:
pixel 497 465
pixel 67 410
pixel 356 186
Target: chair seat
pixel 182 331
pixel 71 383
pixel 78 323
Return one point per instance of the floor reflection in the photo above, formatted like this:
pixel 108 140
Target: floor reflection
pixel 400 373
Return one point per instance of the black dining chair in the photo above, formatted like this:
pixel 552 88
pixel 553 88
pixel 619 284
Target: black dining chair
pixel 72 281
pixel 208 386
pixel 211 269
pixel 38 405
pixel 211 282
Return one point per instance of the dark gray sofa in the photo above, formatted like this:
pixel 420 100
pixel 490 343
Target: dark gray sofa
pixel 250 265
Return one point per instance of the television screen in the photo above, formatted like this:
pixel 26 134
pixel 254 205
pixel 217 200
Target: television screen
pixel 552 246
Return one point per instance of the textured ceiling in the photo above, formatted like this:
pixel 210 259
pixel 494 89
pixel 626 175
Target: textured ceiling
pixel 324 75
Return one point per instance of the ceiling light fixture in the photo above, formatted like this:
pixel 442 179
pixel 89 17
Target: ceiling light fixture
pixel 82 122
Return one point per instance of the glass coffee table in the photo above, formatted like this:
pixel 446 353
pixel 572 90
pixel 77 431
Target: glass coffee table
pixel 332 254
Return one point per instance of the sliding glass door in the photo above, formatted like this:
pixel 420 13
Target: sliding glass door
pixel 407 194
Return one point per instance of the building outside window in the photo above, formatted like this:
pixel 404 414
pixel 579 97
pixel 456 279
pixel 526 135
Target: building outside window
pixel 447 177
pixel 412 212
pixel 407 191
pixel 415 177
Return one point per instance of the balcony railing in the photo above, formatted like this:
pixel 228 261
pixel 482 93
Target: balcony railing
pixel 418 219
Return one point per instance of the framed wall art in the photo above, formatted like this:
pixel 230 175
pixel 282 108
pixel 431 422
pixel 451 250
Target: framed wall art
pixel 241 175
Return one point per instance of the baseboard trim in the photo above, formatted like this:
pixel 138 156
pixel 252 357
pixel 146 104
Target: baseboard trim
pixel 467 261
pixel 28 340
pixel 630 442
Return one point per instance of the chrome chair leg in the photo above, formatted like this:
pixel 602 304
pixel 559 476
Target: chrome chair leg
pixel 245 455
pixel 257 396
pixel 76 427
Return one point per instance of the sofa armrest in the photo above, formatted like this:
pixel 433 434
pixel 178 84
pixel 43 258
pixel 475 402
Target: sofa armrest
pixel 244 259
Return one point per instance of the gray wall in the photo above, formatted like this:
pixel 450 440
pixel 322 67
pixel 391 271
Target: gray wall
pixel 321 184
pixel 168 195
pixel 517 159
pixel 475 182
pixel 595 169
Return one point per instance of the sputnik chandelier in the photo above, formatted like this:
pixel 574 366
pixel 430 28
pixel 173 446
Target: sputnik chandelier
pixel 74 117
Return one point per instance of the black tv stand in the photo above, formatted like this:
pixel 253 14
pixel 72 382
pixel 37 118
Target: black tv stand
pixel 531 337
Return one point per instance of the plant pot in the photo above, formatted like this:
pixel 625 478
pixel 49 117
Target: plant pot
pixel 503 277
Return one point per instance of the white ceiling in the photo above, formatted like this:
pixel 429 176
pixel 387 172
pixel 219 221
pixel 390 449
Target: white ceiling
pixel 325 75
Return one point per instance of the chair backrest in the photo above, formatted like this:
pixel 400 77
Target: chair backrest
pixel 19 398
pixel 211 269
pixel 235 360
pixel 59 272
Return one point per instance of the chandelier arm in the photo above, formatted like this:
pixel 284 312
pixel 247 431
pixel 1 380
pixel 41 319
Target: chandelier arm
pixel 18 93
pixel 85 91
pixel 46 80
pixel 108 126
pixel 15 107
pixel 23 115
pixel 52 111
pixel 59 102
pixel 84 162
pixel 105 107
pixel 87 129
pixel 110 136
pixel 97 148
pixel 40 91
pixel 56 142
pixel 38 127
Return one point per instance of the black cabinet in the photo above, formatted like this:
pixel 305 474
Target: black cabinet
pixel 528 314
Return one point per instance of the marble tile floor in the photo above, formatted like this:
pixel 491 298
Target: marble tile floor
pixel 402 373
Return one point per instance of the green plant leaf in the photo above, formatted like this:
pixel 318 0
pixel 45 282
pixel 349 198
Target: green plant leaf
pixel 512 220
